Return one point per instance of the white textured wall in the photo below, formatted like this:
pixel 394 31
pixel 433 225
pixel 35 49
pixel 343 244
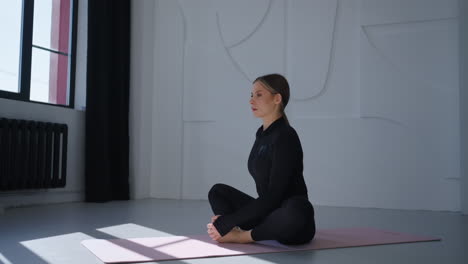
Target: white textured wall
pixel 374 97
pixel 463 14
pixel 74 190
pixel 141 97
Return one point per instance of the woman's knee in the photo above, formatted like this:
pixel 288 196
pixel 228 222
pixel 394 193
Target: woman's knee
pixel 216 190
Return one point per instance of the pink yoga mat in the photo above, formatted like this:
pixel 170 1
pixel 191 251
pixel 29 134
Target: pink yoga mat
pixel 201 246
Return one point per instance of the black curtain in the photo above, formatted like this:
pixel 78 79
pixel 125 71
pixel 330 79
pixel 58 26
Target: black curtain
pixel 107 101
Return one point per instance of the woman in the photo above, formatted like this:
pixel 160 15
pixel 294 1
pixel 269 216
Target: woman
pixel 282 210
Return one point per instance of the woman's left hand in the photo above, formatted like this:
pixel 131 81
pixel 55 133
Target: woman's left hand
pixel 213 232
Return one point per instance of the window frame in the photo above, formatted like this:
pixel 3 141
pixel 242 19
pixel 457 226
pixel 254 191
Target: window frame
pixel 26 46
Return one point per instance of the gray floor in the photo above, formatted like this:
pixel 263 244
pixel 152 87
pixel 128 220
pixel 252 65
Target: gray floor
pixel 52 233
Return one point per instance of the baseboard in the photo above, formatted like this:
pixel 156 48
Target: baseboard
pixel 29 198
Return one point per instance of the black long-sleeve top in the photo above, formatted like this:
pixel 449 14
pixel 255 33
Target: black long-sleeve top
pixel 276 165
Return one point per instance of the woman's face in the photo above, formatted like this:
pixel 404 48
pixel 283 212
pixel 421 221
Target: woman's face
pixel 262 102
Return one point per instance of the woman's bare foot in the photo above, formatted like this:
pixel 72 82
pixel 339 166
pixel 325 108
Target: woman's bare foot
pixel 236 236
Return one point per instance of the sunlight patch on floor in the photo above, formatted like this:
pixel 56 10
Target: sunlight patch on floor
pixel 61 248
pixel 4 260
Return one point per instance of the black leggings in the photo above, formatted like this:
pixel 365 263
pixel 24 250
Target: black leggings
pixel 292 223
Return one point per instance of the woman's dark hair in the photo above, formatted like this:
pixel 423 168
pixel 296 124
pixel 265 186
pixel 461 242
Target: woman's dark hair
pixel 276 83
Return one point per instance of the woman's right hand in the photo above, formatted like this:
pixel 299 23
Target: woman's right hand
pixel 213 218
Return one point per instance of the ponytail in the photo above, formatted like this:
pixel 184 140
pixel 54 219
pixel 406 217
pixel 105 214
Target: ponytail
pixel 284 114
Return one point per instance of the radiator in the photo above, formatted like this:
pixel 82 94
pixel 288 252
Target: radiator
pixel 33 155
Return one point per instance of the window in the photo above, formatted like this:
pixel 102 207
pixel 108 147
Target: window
pixel 37 51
